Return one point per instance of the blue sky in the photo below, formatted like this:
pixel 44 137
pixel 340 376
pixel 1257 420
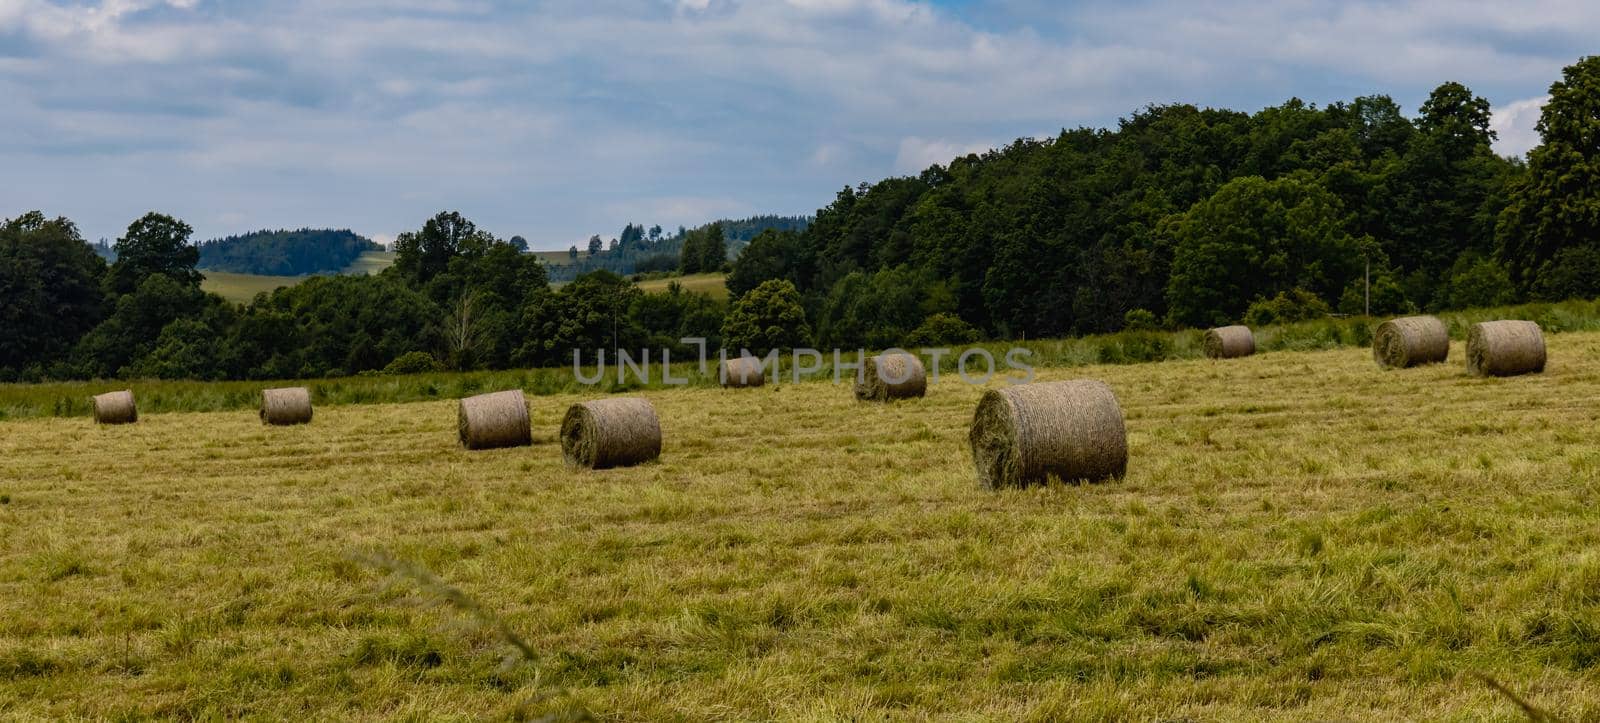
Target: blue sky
pixel 557 120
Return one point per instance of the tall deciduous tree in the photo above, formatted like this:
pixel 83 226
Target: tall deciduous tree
pixel 421 255
pixel 154 244
pixel 769 317
pixel 1553 218
pixel 50 293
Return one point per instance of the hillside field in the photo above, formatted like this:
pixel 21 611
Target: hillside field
pixel 711 284
pixel 1300 536
pixel 242 288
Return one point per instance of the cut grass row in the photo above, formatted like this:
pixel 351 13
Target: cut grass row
pixel 71 399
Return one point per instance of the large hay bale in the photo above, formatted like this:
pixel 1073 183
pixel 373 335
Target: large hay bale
pixel 740 372
pixel 289 405
pixel 610 433
pixel 891 376
pixel 1410 341
pixel 115 408
pixel 1026 433
pixel 490 421
pixel 1505 348
pixel 1229 342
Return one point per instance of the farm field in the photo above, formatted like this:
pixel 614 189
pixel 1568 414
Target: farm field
pixel 1300 536
pixel 242 288
pixel 712 284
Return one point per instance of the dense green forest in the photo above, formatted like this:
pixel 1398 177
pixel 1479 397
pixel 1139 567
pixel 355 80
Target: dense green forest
pixel 1179 216
pixel 285 253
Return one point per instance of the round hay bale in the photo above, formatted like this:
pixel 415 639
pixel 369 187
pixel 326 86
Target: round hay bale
pixel 610 433
pixel 1505 348
pixel 741 372
pixel 891 376
pixel 491 421
pixel 1024 434
pixel 115 408
pixel 289 405
pixel 1410 341
pixel 1229 342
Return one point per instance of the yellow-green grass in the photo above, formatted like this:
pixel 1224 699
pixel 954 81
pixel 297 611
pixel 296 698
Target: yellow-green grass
pixel 555 258
pixel 242 288
pixel 370 262
pixel 712 284
pixel 1300 536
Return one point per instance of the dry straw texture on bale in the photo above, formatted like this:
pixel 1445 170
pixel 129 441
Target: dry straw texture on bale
pixel 1026 433
pixel 115 408
pixel 290 405
pixel 610 433
pixel 891 376
pixel 490 421
pixel 1505 348
pixel 1228 342
pixel 1410 341
pixel 740 372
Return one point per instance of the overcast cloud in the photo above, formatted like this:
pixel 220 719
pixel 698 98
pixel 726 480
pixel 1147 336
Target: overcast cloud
pixel 555 120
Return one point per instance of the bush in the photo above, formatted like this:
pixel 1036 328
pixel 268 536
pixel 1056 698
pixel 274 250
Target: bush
pixel 942 330
pixel 1134 347
pixel 1287 307
pixel 413 362
pixel 1139 320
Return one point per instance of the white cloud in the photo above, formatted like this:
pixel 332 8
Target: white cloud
pixel 1514 124
pixel 569 117
pixel 916 154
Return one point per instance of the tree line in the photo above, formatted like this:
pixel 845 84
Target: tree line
pixel 1183 216
pixel 705 248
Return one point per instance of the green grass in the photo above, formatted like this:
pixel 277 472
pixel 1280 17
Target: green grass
pixel 242 288
pixel 711 284
pixel 554 258
pixel 371 262
pixel 1301 535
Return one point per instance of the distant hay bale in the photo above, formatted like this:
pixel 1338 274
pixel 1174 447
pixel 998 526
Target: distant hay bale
pixel 608 433
pixel 1505 348
pixel 491 421
pixel 1410 341
pixel 1024 434
pixel 290 405
pixel 1229 342
pixel 740 372
pixel 891 376
pixel 115 408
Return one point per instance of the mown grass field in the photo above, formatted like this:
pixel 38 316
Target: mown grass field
pixel 1300 536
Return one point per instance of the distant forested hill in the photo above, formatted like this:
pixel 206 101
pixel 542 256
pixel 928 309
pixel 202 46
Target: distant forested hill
pixel 285 253
pixel 639 249
pixel 738 232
